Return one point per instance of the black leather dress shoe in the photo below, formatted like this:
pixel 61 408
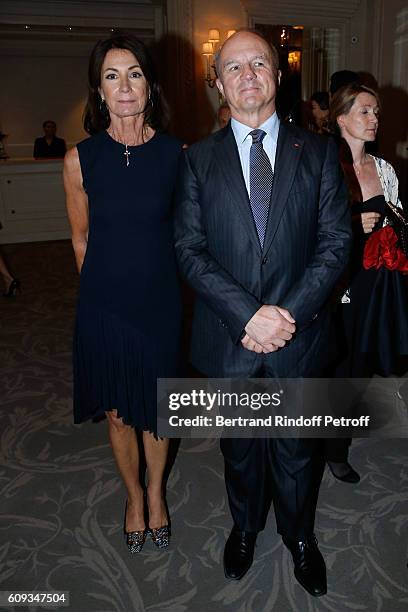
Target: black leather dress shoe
pixel 238 553
pixel 309 566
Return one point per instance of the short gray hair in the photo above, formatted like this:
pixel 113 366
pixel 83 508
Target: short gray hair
pixel 273 50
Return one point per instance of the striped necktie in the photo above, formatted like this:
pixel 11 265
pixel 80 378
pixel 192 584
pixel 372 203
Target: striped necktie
pixel 260 182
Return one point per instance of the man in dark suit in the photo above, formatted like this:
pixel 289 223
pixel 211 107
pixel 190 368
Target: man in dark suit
pixel 262 235
pixel 49 145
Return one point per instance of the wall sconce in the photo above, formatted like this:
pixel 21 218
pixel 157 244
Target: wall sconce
pixel 213 36
pixel 284 37
pixel 294 60
pixel 208 52
pixel 209 49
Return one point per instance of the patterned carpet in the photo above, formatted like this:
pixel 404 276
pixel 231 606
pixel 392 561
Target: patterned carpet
pixel 62 501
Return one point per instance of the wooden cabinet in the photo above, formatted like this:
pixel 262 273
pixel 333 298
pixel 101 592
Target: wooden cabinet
pixel 32 201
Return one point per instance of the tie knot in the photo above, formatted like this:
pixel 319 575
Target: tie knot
pixel 257 135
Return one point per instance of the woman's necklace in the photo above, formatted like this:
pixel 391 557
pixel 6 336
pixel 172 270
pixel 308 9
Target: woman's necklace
pixel 362 162
pixel 126 152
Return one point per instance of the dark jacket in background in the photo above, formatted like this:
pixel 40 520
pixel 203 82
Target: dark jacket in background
pixel 57 148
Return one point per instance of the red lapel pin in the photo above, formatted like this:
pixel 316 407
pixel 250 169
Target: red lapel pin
pixel 296 145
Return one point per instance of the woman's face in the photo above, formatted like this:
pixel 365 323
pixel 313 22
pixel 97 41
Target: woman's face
pixel 123 84
pixel 320 116
pixel 361 122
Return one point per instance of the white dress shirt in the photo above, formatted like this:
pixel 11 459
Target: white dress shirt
pixel 244 142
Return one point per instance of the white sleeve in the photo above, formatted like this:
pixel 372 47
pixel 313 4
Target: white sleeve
pixel 389 181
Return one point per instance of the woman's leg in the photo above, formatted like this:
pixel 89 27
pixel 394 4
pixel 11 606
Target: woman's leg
pixel 126 452
pixel 156 456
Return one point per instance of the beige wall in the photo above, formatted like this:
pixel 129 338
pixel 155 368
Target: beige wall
pixel 47 78
pixel 44 69
pixel 40 88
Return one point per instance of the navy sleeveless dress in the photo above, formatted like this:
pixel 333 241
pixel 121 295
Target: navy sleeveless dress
pixel 127 327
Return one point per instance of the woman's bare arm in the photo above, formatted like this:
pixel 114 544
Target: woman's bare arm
pixel 77 205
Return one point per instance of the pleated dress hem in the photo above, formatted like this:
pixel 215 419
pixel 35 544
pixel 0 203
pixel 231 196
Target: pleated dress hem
pixel 114 369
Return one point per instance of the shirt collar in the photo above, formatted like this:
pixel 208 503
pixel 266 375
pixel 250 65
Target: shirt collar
pixel 270 126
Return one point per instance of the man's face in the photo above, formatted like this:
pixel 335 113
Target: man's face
pixel 248 77
pixel 50 129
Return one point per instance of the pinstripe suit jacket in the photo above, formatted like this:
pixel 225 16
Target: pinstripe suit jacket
pixel 305 250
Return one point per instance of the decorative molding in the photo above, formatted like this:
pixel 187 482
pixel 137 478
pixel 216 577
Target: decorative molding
pixel 400 77
pixel 41 28
pixel 353 19
pixel 180 24
pixel 313 12
pixel 60 43
pixel 87 18
pixel 83 11
pixel 181 83
pixel 377 36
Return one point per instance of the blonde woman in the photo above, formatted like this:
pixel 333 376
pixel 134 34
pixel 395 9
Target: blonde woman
pixel 372 319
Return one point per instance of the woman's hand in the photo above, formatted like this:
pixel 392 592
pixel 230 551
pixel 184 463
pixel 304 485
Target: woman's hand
pixel 368 221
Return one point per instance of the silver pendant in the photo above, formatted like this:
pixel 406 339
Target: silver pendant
pixel 126 153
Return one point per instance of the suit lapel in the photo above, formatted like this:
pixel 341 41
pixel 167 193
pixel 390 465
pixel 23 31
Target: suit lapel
pixel 227 157
pixel 288 152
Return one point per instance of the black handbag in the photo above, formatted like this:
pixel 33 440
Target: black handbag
pixel 399 222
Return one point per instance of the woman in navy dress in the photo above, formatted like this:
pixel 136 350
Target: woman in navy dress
pixel 119 187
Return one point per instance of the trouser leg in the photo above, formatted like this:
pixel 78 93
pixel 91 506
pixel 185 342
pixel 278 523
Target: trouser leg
pixel 296 467
pixel 247 481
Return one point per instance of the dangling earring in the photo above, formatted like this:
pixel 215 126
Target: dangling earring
pixel 150 100
pixel 102 105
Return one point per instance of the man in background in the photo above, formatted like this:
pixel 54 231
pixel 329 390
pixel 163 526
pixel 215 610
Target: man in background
pixel 49 145
pixel 223 115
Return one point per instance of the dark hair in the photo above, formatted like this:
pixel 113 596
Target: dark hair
pixel 341 78
pixel 49 121
pixel 272 48
pixel 96 115
pixel 322 99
